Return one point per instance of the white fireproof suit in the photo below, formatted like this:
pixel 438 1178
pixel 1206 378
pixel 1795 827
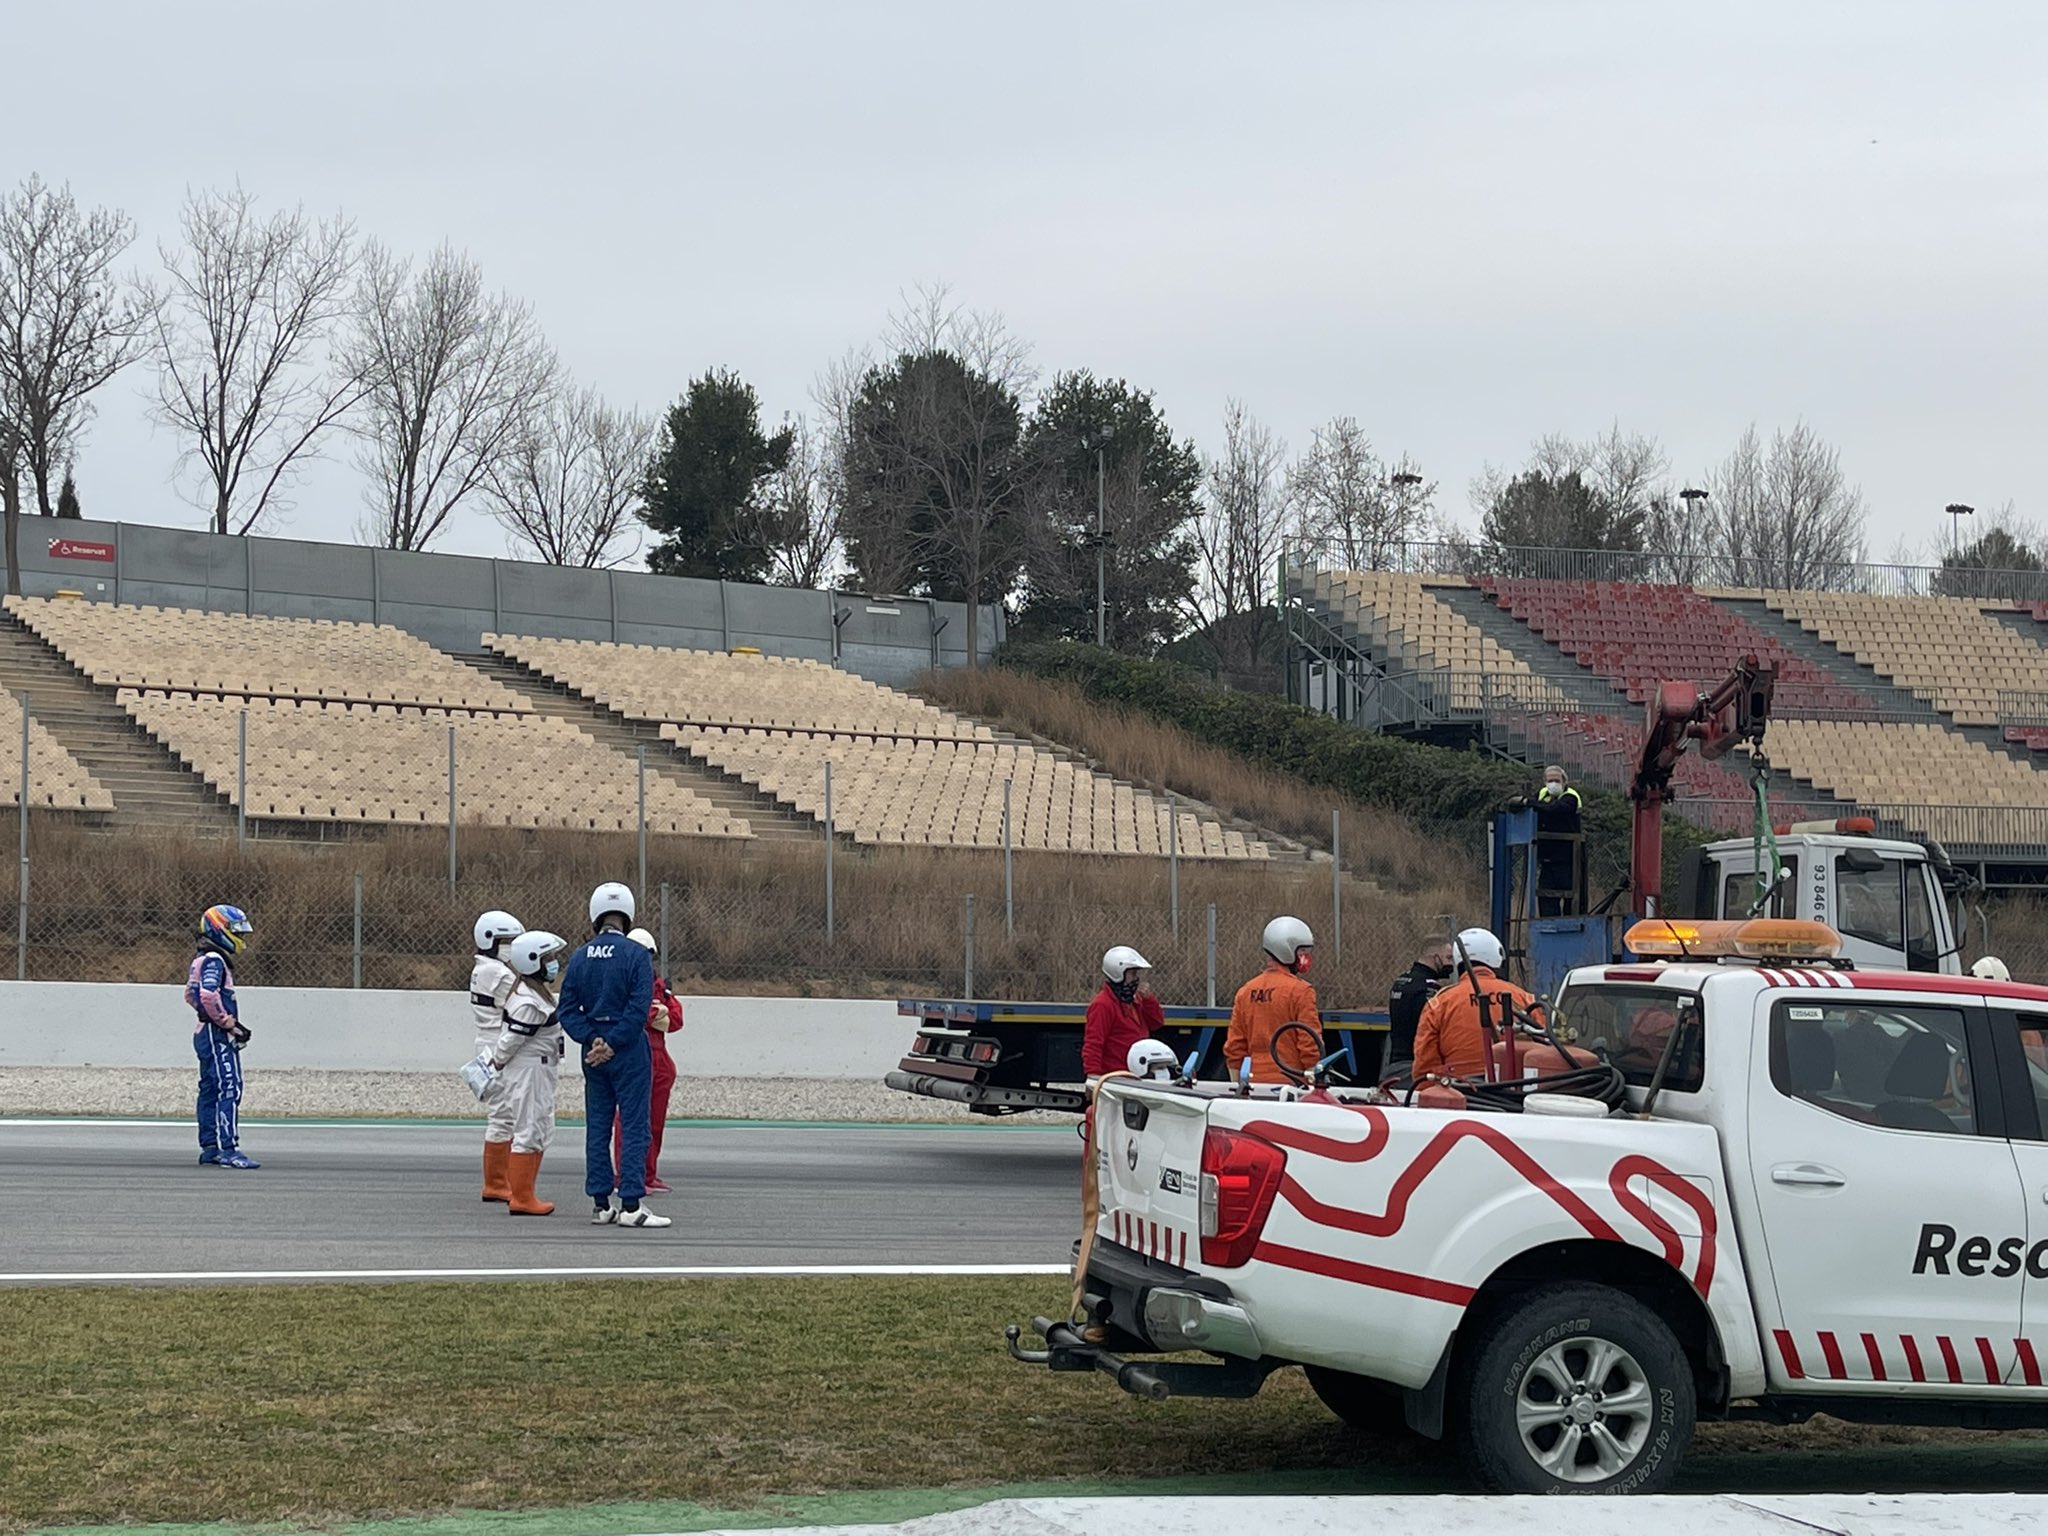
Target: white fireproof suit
pixel 491 982
pixel 528 1051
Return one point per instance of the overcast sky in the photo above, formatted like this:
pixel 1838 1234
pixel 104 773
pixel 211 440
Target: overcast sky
pixel 1465 224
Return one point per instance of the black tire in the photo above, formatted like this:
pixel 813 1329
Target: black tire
pixel 1359 1401
pixel 1624 1430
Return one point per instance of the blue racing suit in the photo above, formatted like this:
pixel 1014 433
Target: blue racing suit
pixel 210 994
pixel 605 995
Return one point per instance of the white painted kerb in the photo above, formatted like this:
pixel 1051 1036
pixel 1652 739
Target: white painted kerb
pixel 62 1023
pixel 1722 1514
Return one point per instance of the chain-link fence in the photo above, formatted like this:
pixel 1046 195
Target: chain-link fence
pixel 768 917
pixel 757 917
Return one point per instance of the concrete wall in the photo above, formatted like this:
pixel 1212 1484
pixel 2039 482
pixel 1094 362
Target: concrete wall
pixel 451 601
pixel 59 1023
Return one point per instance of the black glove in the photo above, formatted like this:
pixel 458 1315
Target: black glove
pixel 1519 803
pixel 237 1033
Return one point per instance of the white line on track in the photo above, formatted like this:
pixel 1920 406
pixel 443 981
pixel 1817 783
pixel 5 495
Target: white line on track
pixel 137 1276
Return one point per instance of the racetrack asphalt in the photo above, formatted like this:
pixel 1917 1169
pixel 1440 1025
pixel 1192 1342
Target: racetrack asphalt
pixel 126 1201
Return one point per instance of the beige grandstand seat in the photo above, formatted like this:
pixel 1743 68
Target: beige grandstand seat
pixel 1950 651
pixel 1904 765
pixel 332 761
pixel 1413 631
pixel 903 770
pixel 192 651
pixel 57 781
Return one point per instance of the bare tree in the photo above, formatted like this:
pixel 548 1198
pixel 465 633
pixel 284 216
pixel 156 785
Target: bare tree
pixel 241 376
pixel 933 463
pixel 567 488
pixel 453 378
pixel 68 323
pixel 1788 518
pixel 1237 536
pixel 796 521
pixel 1344 496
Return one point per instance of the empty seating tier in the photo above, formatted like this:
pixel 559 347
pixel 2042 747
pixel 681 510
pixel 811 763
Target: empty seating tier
pixel 1640 635
pixel 1410 630
pixel 1902 765
pixel 1950 651
pixel 903 770
pixel 57 781
pixel 190 651
pixel 389 764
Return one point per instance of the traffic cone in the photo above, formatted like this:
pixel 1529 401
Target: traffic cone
pixel 524 1202
pixel 497 1184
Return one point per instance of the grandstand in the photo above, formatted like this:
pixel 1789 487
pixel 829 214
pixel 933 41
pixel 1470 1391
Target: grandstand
pixel 904 771
pixel 1923 711
pixel 314 724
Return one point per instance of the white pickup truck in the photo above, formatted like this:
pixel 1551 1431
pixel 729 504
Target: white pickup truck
pixel 1837 1202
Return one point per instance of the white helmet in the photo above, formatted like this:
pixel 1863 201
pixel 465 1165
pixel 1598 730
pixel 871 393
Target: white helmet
pixel 1152 1058
pixel 532 951
pixel 1480 947
pixel 608 898
pixel 494 928
pixel 1121 961
pixel 1991 968
pixel 1285 937
pixel 644 939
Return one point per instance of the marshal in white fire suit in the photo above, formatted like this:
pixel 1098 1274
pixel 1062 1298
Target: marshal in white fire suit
pixel 528 1052
pixel 491 982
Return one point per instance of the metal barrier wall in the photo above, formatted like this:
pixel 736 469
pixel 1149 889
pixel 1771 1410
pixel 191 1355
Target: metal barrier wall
pixel 452 601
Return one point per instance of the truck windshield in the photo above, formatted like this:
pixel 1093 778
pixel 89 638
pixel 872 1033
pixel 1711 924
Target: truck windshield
pixel 1631 1024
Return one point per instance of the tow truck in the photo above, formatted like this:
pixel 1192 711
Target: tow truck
pixel 1005 1058
pixel 1815 1187
pixel 1888 899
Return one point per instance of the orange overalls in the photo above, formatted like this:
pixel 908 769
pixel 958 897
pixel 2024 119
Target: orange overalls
pixel 1274 997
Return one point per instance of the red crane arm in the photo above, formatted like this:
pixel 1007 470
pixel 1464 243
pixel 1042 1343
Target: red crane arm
pixel 1680 716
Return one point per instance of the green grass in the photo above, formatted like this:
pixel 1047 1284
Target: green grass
pixel 329 1403
pixel 746 1400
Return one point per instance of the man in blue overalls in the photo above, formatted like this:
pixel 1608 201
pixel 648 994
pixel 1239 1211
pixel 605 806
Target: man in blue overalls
pixel 603 1008
pixel 218 1035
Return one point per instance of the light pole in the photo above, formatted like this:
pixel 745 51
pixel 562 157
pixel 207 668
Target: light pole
pixel 1957 511
pixel 1403 481
pixel 1101 548
pixel 1692 496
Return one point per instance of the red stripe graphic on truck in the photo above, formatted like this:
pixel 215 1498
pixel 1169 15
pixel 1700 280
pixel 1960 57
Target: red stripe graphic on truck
pixel 1364 1274
pixel 1439 1146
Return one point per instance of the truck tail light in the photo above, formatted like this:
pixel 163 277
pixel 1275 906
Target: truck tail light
pixel 984 1050
pixel 1240 1179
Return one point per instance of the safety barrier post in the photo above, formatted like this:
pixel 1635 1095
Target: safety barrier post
pixel 356 954
pixel 828 853
pixel 451 808
pixel 21 900
pixel 1173 863
pixel 1336 884
pixel 641 755
pixel 661 935
pixel 967 988
pixel 1009 905
pixel 1212 954
pixel 242 782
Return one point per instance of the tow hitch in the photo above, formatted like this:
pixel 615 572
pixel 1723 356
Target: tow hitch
pixel 1066 1349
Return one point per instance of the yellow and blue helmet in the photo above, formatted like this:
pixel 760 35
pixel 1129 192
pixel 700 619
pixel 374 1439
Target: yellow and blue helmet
pixel 226 928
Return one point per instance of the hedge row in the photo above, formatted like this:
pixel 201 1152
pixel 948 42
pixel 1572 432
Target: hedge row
pixel 1441 788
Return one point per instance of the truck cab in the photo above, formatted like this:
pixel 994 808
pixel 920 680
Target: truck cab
pixel 1880 894
pixel 1819 1187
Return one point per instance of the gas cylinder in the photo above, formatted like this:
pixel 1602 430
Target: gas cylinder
pixel 1536 1058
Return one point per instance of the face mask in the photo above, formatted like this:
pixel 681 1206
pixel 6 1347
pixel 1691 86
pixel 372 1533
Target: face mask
pixel 1303 959
pixel 1127 989
pixel 1552 789
pixel 552 970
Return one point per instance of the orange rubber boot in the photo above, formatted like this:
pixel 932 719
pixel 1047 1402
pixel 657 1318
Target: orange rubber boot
pixel 525 1169
pixel 497 1164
